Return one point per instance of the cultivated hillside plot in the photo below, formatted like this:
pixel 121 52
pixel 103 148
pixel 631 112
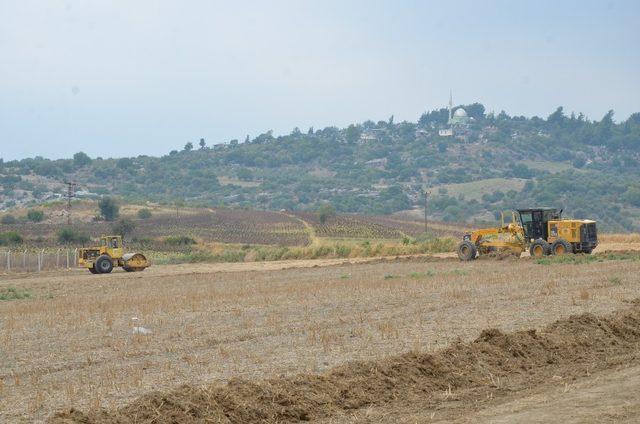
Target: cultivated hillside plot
pixel 71 340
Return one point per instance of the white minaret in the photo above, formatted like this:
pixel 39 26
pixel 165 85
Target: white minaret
pixel 450 103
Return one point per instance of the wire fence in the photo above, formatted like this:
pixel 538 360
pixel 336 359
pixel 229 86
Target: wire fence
pixel 17 261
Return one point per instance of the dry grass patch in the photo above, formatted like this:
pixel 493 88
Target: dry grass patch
pixel 620 238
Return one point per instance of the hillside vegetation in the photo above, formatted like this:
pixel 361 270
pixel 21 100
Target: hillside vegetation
pixel 588 168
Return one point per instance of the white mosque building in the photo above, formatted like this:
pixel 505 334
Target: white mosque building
pixel 457 120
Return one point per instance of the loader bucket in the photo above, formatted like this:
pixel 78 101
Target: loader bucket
pixel 134 262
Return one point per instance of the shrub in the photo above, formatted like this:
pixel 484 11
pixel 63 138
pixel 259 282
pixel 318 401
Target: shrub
pixel 205 256
pixel 69 235
pixel 10 238
pixel 321 252
pixel 244 174
pixel 109 208
pixel 8 220
pixel 35 215
pixel 342 251
pixel 199 256
pixel 13 293
pixel 232 256
pixel 144 240
pixel 144 213
pixel 81 159
pixel 269 254
pixel 326 212
pixel 179 241
pixel 632 195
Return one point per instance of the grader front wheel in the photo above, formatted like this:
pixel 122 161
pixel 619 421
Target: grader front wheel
pixel 467 251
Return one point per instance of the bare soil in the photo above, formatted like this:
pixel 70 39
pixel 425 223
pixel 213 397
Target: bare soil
pixel 73 345
pixel 469 375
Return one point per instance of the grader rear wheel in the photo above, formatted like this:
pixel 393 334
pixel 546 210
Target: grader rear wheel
pixel 561 247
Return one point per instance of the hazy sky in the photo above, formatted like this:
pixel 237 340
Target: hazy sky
pixel 119 78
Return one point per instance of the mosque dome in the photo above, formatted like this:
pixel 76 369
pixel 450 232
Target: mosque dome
pixel 460 113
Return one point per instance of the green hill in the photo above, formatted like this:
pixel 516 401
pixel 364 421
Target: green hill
pixel 493 162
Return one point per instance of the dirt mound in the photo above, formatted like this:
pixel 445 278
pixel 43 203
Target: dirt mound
pixel 495 363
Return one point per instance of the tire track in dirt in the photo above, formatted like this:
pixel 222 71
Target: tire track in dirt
pixel 311 232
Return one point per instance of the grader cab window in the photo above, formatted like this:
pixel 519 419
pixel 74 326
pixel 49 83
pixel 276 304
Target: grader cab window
pixel 525 217
pixel 534 222
pixel 525 220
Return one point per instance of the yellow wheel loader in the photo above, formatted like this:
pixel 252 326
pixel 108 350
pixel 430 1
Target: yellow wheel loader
pixel 102 259
pixel 542 231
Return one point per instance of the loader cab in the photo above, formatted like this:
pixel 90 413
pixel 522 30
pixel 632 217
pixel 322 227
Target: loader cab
pixel 534 222
pixel 111 245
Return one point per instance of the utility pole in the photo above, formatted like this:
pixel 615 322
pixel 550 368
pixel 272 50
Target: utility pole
pixel 426 221
pixel 70 194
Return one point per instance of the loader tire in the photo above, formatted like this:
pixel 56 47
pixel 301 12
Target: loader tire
pixel 103 264
pixel 93 270
pixel 561 247
pixel 539 248
pixel 467 251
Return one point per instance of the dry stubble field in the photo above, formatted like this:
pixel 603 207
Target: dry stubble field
pixel 71 344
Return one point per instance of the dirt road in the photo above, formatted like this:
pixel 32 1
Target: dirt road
pixel 206 268
pixel 608 396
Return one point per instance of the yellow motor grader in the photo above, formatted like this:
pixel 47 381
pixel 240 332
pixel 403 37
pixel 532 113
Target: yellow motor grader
pixel 101 259
pixel 542 231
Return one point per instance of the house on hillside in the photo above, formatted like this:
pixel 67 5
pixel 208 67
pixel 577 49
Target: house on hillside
pixel 372 134
pixel 380 163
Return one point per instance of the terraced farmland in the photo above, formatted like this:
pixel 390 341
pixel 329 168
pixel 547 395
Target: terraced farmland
pixel 234 226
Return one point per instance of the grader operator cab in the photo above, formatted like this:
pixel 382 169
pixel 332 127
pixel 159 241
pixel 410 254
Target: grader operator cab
pixel 102 259
pixel 543 231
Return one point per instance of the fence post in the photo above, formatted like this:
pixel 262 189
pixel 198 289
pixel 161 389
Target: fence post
pixel 24 260
pixel 67 258
pixel 57 258
pixel 38 260
pixel 9 260
pixel 75 257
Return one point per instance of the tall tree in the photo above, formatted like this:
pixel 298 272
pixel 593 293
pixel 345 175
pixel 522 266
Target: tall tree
pixel 109 208
pixel 557 117
pixel 352 134
pixel 81 159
